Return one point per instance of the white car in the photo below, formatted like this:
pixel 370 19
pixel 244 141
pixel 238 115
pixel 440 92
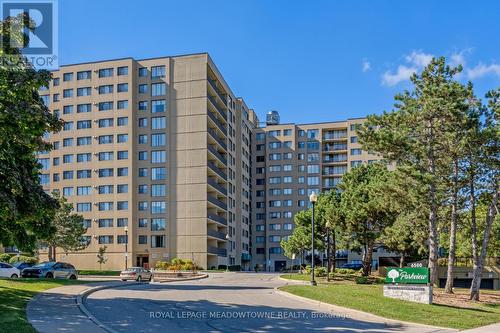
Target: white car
pixel 9 271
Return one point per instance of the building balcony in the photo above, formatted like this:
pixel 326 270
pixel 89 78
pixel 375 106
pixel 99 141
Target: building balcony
pixel 216 138
pixel 219 187
pixel 213 85
pixel 217 219
pixel 216 234
pixel 246 257
pixel 328 148
pixel 221 252
pixel 222 113
pixel 211 165
pixel 213 200
pixel 218 155
pixel 217 123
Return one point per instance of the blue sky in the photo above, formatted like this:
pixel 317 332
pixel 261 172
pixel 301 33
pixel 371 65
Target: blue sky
pixel 310 60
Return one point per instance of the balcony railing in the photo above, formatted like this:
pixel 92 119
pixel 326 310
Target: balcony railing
pixel 217 186
pixel 215 169
pixel 216 138
pixel 217 250
pixel 335 160
pixel 335 136
pixel 217 154
pixel 214 87
pixel 217 107
pixel 217 122
pixel 334 148
pixel 216 202
pixel 217 218
pixel 216 234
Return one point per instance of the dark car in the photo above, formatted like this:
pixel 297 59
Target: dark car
pixel 20 265
pixel 51 270
pixel 352 266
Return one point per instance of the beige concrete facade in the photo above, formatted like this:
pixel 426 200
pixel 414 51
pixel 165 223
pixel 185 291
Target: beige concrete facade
pixel 291 161
pixel 159 146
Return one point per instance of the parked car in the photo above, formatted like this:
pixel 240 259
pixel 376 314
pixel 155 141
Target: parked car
pixel 20 265
pixel 136 273
pixel 51 270
pixel 9 271
pixel 352 266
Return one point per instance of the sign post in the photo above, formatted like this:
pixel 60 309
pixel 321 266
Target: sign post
pixel 409 284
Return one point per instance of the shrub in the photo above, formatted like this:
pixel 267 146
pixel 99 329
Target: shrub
pixel 162 265
pixel 320 271
pixel 361 280
pixel 308 269
pixel 345 271
pixel 5 257
pixel 26 259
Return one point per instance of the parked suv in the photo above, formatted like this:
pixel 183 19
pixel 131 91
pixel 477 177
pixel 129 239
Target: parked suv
pixel 9 271
pixel 51 270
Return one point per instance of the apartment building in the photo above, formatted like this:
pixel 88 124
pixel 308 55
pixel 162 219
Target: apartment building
pixel 291 161
pixel 155 154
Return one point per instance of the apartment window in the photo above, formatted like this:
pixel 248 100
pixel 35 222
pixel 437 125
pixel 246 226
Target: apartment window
pixel 143 71
pixel 287 156
pixel 83 207
pixel 122 222
pixel 274 239
pixel 143 205
pixel 122 87
pixel 158 207
pixel 355 163
pixel 301 145
pixel 142 122
pixel 287 191
pixel 157 72
pixel 261 159
pixel 158 190
pixel 260 227
pixel 67 191
pixel 287 167
pixel 158 122
pixel 68 158
pixel 158 89
pixel 105 189
pixel 106 72
pixel 313 145
pixel 143 239
pixel 67 93
pixel 274 157
pixel 83 174
pixel 106 89
pixel 87 223
pixel 122 205
pixel 354 139
pixel 68 174
pixel 122 104
pixel 68 142
pixel 84 190
pixel 55 178
pixel 84 140
pixel 312 181
pixel 287 132
pixel 107 172
pixel 313 168
pixel 55 161
pixel 158 173
pixel 312 134
pixel 121 138
pixel 142 156
pixel 143 223
pixel 274 180
pixel 142 189
pixel 106 156
pixel 260 136
pixel 56 81
pixel 274 227
pixel 122 239
pixel 302 179
pixel 143 106
pixel 67 109
pixel 122 155
pixel 106 122
pixel 158 140
pixel 287 203
pixel 356 151
pixel 274 203
pixel 158 224
pixel 84 124
pixel 122 121
pixel 143 172
pixel 122 188
pixel 105 239
pixel 68 77
pixel 143 88
pixel 274 133
pixel 105 106
pixel 45 99
pixel 274 145
pixel 287 144
pixel 157 241
pixel 158 156
pixel 287 179
pixel 275 168
pixel 105 206
pixel 354 127
pixel 105 139
pixel 84 75
pixel 55 98
pixel 85 91
pixel 158 106
pixel 68 126
pixel 45 163
pixel 80 108
pixel 122 172
pixel 122 70
pixel 260 239
pixel 275 250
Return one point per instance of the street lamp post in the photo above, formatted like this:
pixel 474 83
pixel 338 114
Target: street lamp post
pixel 227 254
pixel 312 198
pixel 126 246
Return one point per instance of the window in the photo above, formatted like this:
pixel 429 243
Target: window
pixel 45 163
pixel 143 71
pixel 68 158
pixel 106 156
pixel 105 239
pixel 83 174
pixel 121 138
pixel 158 190
pixel 354 127
pixel 55 98
pixel 312 180
pixel 143 105
pixel 106 72
pixel 275 250
pixel 274 157
pixel 122 87
pixel 122 104
pixel 143 205
pixel 143 239
pixel 287 144
pixel 45 99
pixel 260 136
pixel 108 172
pixel 313 168
pixel 68 142
pixel 158 173
pixel 260 239
pixel 274 226
pixel 158 89
pixel 122 222
pixel 84 124
pixel 158 207
pixel 86 91
pixel 105 139
pixel 287 132
pixel 67 109
pixel 122 121
pixel 122 172
pixel 80 108
pixel 87 223
pixel 106 89
pixel 68 174
pixel 356 151
pixel 67 93
pixel 122 188
pixel 287 191
pixel 123 70
pixel 106 122
pixel 122 239
pixel 287 156
pixel 313 145
pixel 84 207
pixel 274 180
pixel 68 77
pixel 142 156
pixel 122 155
pixel 260 227
pixel 158 241
pixel 143 223
pixel 275 168
pixel 143 88
pixel 84 75
pixel 158 156
pixel 105 106
pixel 84 190
pixel 274 145
pixel 287 167
pixel 143 172
pixel 355 163
pixel 122 205
pixel 287 179
pixel 158 140
pixel 107 205
pixel 274 239
pixel 354 139
pixel 55 161
pixel 142 122
pixel 157 224
pixel 158 122
pixel 67 191
pixel 56 81
pixel 157 72
pixel 142 189
pixel 105 189
pixel 68 126
pixel 83 140
pixel 312 134
pixel 157 106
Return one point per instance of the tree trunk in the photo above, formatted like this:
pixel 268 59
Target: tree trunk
pixel 453 232
pixel 433 234
pixel 474 288
pixel 478 267
pixel 334 252
pixel 51 253
pixel 367 259
pixel 328 261
pixel 401 261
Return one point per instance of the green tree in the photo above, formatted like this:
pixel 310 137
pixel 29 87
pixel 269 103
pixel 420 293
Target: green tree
pixel 68 227
pixel 101 256
pixel 416 134
pixel 26 210
pixel 367 208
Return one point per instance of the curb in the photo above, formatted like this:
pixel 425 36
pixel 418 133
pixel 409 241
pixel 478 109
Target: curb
pixel 204 276
pixel 336 308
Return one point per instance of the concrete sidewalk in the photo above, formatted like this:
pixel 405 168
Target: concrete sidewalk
pixel 493 328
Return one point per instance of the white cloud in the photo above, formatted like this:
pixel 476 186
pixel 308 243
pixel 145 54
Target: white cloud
pixel 419 59
pixel 481 70
pixel 458 58
pixel 366 66
pixel 402 74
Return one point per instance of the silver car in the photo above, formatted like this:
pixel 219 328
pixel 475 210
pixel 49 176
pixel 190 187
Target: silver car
pixel 136 273
pixel 51 270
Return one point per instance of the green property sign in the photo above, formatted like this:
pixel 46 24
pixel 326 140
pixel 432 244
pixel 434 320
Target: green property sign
pixel 415 275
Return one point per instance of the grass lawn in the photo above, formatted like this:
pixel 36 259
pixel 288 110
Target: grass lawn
pixel 15 294
pixel 96 272
pixel 369 298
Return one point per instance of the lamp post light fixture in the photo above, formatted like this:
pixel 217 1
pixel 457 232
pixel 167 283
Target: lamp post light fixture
pixel 126 246
pixel 227 254
pixel 312 198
